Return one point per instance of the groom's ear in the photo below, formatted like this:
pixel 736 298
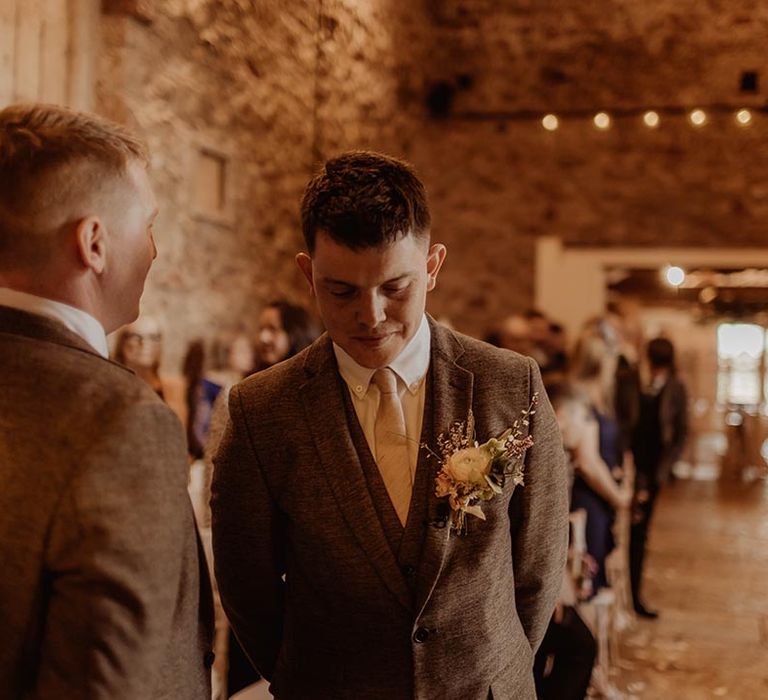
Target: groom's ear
pixel 435 260
pixel 305 265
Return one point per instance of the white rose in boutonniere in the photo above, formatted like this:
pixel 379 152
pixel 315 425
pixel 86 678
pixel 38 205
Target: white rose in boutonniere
pixel 472 465
pixel 471 473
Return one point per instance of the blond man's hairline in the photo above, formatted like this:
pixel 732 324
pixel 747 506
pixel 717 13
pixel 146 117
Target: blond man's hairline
pixel 108 151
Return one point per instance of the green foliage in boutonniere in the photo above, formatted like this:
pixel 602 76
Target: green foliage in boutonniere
pixel 471 473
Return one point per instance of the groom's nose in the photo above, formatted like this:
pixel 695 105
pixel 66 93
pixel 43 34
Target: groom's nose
pixel 371 311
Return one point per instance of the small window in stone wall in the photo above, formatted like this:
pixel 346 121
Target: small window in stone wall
pixel 210 191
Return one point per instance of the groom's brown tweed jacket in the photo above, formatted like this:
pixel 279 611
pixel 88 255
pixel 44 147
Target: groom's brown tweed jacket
pixel 312 580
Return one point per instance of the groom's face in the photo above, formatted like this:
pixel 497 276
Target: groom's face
pixel 372 300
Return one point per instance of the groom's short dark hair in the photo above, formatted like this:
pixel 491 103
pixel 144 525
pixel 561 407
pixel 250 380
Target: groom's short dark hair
pixel 363 200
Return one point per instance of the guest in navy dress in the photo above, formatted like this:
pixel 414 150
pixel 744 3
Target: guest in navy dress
pixel 596 487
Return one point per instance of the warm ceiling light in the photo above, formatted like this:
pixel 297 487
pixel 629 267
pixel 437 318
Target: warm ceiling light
pixel 651 119
pixel 698 117
pixel 743 117
pixel 602 120
pixel 550 122
pixel 674 275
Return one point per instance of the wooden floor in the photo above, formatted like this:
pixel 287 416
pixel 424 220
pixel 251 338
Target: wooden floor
pixel 707 573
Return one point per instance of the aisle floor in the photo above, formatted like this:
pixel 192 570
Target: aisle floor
pixel 707 574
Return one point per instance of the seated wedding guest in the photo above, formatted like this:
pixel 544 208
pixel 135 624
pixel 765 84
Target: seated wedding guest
pixel 658 441
pixel 139 347
pixel 563 664
pixel 283 330
pixel 104 592
pixel 599 457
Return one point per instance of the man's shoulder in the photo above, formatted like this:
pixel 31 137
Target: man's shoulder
pixel 280 380
pixel 65 374
pixel 479 356
pixel 67 409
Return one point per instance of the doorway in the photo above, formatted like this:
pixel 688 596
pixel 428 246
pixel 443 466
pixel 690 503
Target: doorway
pixel 716 317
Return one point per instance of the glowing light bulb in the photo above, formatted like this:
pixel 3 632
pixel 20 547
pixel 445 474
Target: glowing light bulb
pixel 602 121
pixel 743 117
pixel 698 117
pixel 550 122
pixel 651 119
pixel 674 275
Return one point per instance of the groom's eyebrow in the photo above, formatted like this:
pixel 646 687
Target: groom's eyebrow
pixel 332 280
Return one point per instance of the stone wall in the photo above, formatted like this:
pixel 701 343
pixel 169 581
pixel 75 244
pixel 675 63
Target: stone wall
pixel 458 87
pixel 498 179
pixel 201 77
pixel 272 88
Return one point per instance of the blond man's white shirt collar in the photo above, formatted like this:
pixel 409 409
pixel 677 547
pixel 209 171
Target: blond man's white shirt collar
pixel 76 320
pixel 410 367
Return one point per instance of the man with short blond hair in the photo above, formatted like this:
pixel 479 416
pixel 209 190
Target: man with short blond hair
pixel 104 591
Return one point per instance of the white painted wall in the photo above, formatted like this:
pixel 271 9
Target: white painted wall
pixel 571 282
pixel 48 50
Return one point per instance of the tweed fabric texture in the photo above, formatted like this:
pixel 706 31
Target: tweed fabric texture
pixel 101 595
pixel 290 499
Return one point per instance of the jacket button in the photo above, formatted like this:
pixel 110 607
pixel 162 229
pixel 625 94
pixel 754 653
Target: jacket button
pixel 421 635
pixel 409 570
pixel 209 658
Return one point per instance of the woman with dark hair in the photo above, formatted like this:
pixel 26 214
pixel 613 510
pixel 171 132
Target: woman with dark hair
pixel 284 329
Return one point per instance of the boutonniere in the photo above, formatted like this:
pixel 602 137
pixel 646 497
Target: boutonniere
pixel 471 473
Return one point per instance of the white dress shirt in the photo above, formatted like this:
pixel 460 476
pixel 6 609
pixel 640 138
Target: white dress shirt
pixel 76 320
pixel 410 367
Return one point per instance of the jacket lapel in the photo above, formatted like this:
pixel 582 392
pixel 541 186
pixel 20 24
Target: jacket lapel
pixel 452 402
pixel 325 416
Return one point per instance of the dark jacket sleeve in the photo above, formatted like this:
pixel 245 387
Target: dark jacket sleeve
pixel 674 419
pixel 539 520
pixel 680 421
pixel 248 544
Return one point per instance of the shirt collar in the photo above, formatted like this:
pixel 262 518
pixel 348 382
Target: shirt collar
pixel 76 320
pixel 410 365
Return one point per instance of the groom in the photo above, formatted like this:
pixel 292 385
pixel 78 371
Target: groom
pixel 336 562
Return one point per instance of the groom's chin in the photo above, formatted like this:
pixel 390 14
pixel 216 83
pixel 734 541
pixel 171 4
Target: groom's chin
pixel 374 354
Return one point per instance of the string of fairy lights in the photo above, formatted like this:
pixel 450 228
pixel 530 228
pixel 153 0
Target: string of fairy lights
pixel 652 118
